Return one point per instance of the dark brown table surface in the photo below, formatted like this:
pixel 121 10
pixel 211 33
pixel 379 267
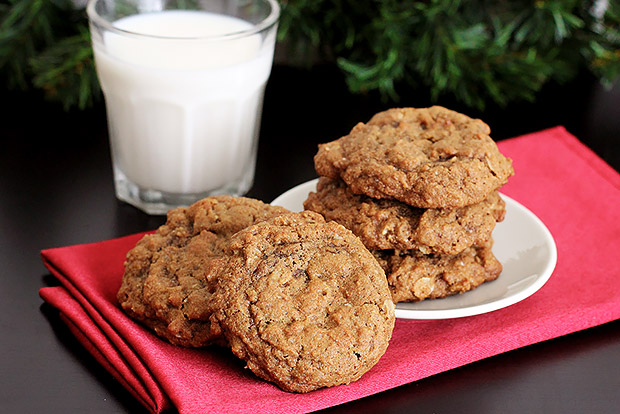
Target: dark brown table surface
pixel 56 189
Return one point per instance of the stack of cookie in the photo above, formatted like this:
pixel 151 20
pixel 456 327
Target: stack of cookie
pixel 419 188
pixel 301 300
pixel 303 297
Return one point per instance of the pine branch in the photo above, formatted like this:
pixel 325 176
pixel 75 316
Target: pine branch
pixel 66 73
pixel 482 52
pixel 603 44
pixel 24 29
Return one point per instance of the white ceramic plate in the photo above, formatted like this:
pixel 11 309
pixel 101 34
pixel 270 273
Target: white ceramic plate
pixel 523 245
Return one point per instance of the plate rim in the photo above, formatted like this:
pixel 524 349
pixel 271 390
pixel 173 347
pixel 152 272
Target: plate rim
pixel 435 314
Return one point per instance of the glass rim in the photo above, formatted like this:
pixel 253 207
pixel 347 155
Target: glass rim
pixel 270 20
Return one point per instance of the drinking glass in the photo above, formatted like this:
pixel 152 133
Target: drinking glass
pixel 183 83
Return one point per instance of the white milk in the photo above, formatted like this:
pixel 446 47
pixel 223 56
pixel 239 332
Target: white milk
pixel 183 113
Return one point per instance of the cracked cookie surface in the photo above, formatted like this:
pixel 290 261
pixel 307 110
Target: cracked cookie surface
pixel 390 224
pixel 425 157
pixel 305 304
pixel 170 275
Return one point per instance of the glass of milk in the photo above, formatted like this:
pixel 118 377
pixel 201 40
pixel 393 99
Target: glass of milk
pixel 183 83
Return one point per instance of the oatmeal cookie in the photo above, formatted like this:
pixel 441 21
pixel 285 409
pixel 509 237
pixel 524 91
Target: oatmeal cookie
pixel 390 224
pixel 305 303
pixel 427 158
pixel 413 276
pixel 170 275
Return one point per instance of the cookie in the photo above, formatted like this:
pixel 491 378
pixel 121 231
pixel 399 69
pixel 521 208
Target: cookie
pixel 305 303
pixel 413 276
pixel 170 275
pixel 427 158
pixel 389 224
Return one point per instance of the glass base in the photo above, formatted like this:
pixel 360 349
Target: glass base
pixel 159 202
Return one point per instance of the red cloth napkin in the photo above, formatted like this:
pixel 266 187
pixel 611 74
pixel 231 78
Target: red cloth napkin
pixel 575 194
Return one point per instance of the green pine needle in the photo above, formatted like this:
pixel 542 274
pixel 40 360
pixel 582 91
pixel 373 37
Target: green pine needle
pixel 66 73
pixel 481 52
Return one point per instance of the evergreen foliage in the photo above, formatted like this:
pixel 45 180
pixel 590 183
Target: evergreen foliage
pixel 481 52
pixel 45 44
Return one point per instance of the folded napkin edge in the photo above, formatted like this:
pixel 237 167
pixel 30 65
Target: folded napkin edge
pixel 51 297
pixel 562 135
